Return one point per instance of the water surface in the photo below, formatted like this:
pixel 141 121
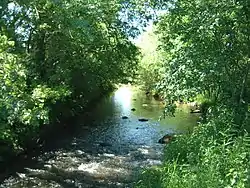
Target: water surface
pixel 106 150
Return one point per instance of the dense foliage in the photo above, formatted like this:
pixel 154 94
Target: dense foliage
pixel 206 50
pixel 56 57
pixel 150 69
pixel 209 157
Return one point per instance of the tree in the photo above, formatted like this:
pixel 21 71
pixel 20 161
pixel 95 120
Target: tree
pixel 63 54
pixel 206 47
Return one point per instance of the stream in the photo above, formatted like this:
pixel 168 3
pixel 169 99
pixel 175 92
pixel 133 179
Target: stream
pixel 106 150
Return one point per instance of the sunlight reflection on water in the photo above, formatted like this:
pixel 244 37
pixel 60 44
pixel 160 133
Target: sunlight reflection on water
pixel 108 151
pixel 123 97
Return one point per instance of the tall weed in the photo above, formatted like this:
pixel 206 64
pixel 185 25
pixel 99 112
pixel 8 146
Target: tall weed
pixel 212 156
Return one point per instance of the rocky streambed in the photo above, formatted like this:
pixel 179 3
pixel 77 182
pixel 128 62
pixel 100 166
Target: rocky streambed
pixel 106 150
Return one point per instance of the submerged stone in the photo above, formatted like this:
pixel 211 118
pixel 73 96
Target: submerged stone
pixel 143 119
pixel 124 117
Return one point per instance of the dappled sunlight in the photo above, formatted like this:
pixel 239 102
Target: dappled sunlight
pixel 81 169
pixel 72 117
pixel 107 152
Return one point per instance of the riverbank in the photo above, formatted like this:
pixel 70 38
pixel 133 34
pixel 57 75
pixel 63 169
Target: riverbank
pixel 42 137
pixel 214 155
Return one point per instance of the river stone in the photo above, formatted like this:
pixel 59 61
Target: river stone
pixel 79 152
pixel 124 117
pixel 165 139
pixel 108 155
pixel 143 119
pixel 48 166
pixel 133 109
pixel 21 175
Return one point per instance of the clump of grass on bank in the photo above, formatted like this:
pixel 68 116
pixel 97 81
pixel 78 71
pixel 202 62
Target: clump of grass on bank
pixel 212 156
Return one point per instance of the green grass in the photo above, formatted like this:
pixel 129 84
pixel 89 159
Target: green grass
pixel 211 157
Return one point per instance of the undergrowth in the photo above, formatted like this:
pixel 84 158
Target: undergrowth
pixel 215 155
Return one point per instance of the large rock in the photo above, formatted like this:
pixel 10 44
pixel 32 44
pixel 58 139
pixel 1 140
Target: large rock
pixel 166 139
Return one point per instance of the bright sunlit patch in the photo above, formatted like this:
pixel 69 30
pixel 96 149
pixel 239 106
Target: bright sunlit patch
pixel 99 169
pixel 91 167
pixel 123 96
pixel 143 151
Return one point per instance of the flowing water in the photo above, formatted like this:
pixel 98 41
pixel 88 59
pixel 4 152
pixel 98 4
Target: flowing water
pixel 107 150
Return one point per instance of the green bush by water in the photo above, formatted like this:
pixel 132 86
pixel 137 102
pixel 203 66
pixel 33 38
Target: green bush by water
pixel 212 156
pixel 204 53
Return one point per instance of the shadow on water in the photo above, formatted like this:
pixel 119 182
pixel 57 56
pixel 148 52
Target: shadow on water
pixel 104 150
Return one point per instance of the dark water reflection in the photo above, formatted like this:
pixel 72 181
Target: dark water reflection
pixel 106 151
